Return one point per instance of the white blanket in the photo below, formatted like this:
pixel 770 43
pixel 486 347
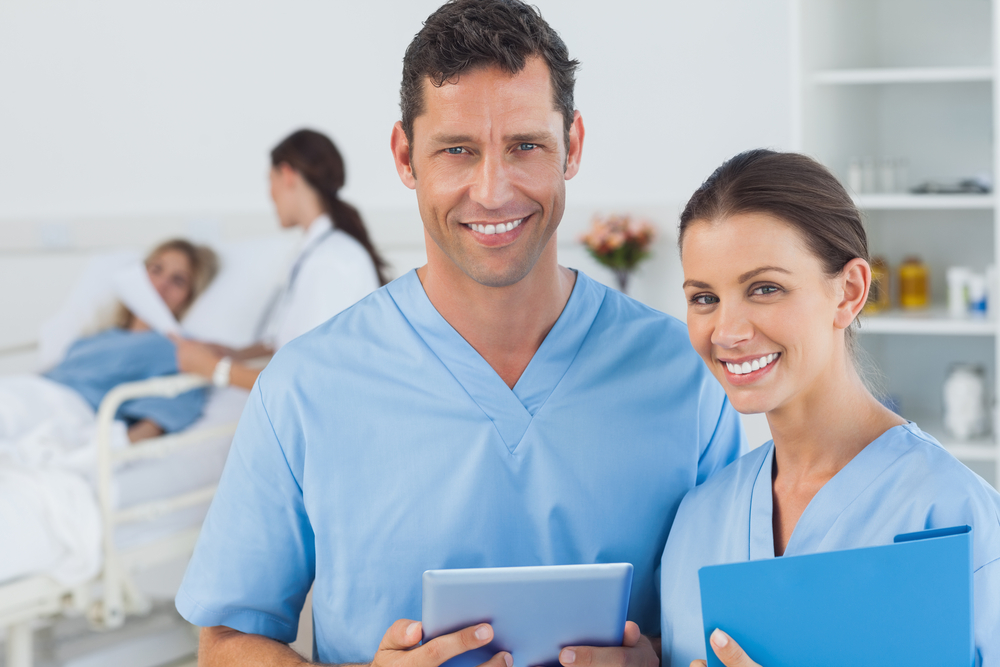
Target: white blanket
pixel 48 510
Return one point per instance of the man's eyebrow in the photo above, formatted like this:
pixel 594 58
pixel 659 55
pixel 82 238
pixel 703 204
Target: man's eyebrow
pixel 452 139
pixel 696 283
pixel 750 274
pixel 532 138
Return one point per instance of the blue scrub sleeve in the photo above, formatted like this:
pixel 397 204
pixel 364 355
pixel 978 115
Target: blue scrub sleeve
pixel 255 558
pixel 728 441
pixel 171 414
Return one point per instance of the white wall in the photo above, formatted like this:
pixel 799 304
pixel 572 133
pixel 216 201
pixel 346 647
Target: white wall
pixel 123 122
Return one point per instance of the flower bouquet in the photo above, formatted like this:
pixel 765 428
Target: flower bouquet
pixel 619 243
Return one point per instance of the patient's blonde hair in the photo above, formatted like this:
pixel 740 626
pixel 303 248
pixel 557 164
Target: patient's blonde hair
pixel 204 265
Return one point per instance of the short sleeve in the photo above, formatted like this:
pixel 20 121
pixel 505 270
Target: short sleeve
pixel 255 558
pixel 170 414
pixel 727 442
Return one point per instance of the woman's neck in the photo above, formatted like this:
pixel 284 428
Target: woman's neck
pixel 815 435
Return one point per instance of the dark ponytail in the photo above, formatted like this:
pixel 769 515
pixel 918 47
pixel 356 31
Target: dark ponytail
pixel 317 159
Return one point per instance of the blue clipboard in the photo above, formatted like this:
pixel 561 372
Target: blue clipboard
pixel 907 603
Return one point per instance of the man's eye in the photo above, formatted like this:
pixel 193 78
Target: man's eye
pixel 704 299
pixel 526 146
pixel 454 150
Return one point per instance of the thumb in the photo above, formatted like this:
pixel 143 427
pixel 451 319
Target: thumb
pixel 728 651
pixel 632 635
pixel 402 634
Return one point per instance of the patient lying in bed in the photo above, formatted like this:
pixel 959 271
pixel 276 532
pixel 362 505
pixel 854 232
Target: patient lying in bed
pixel 46 422
pixel 127 351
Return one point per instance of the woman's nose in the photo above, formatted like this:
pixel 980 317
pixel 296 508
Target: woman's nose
pixel 732 327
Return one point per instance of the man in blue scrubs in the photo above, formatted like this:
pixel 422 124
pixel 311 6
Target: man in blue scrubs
pixel 491 408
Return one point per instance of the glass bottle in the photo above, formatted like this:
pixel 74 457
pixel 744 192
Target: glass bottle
pixel 914 283
pixel 878 293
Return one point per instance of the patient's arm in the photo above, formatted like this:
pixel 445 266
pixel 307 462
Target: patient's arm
pixel 201 358
pixel 253 352
pixel 143 429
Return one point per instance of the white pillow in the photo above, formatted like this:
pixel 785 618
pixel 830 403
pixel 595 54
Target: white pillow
pixel 229 311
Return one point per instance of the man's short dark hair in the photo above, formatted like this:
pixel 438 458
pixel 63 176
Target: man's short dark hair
pixel 463 35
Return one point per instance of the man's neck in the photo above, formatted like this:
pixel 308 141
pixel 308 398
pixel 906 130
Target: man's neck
pixel 505 325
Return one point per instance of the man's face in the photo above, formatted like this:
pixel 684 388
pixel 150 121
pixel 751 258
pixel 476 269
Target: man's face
pixel 489 164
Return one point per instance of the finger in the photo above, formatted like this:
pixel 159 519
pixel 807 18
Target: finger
pixel 729 652
pixel 501 659
pixel 632 634
pixel 639 655
pixel 446 647
pixel 402 634
pixel 699 663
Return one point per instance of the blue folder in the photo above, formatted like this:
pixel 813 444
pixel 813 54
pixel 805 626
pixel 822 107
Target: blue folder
pixel 907 603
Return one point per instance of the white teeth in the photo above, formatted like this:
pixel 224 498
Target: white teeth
pixel 498 228
pixel 755 365
pixel 762 361
pixel 746 367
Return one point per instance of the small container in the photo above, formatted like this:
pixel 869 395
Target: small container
pixel 964 394
pixel 914 284
pixel 958 290
pixel 878 293
pixel 977 294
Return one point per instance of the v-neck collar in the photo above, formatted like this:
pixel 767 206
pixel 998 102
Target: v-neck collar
pixel 829 502
pixel 510 411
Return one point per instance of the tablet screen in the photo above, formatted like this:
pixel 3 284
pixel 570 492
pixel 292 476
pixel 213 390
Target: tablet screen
pixel 535 611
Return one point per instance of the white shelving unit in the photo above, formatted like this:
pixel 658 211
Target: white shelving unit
pixel 912 79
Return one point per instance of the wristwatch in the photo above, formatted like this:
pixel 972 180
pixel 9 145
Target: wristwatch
pixel 220 376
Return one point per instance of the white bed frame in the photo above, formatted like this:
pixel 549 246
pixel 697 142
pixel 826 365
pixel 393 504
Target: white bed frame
pixel 112 594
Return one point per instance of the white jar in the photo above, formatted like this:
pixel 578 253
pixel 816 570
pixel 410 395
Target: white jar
pixel 964 396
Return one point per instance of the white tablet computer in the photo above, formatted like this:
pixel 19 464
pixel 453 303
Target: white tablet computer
pixel 535 611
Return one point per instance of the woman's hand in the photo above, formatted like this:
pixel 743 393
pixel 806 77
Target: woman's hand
pixel 636 651
pixel 195 357
pixel 728 651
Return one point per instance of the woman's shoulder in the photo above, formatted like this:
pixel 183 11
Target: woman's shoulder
pixel 721 491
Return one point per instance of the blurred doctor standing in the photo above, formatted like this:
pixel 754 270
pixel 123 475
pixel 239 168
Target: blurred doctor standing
pixel 335 266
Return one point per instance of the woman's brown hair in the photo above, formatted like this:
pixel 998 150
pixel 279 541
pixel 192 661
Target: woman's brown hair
pixel 316 158
pixel 204 265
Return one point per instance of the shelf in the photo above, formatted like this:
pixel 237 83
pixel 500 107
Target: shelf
pixel 848 77
pixel 933 321
pixel 903 202
pixel 980 448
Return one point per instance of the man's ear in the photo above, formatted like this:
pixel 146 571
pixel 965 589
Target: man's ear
pixel 574 152
pixel 400 146
pixel 854 281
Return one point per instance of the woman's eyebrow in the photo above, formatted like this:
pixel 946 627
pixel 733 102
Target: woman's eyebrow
pixel 696 283
pixel 750 274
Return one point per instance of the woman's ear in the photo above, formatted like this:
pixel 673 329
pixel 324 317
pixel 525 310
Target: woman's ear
pixel 854 281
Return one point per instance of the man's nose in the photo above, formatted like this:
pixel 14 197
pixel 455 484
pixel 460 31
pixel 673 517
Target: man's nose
pixel 491 186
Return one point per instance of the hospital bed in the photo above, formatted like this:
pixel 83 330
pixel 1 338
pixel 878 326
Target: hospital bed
pixel 153 495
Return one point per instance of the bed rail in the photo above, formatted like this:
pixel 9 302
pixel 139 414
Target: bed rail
pixel 119 595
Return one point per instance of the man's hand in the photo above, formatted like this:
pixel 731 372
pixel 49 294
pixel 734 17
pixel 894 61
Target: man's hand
pixel 397 647
pixel 635 651
pixel 195 357
pixel 728 651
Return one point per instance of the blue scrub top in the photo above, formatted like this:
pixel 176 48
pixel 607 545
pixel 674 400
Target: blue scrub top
pixel 903 482
pixel 381 444
pixel 95 365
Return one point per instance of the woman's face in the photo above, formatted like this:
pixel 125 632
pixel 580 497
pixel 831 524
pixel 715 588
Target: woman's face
pixel 761 310
pixel 282 180
pixel 173 277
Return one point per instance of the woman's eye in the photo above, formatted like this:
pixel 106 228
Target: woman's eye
pixel 704 299
pixel 765 289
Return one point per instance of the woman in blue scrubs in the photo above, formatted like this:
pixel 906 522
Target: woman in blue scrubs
pixel 776 271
